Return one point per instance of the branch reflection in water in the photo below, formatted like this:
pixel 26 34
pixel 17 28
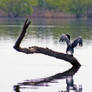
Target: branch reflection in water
pixel 71 86
pixel 68 75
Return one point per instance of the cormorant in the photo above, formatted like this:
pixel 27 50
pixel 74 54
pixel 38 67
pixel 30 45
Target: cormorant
pixel 71 46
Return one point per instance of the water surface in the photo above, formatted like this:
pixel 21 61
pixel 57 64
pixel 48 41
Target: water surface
pixel 16 67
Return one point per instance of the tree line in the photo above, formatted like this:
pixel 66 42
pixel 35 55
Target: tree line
pixel 16 8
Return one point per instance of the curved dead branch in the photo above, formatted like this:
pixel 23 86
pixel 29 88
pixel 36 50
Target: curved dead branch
pixel 46 51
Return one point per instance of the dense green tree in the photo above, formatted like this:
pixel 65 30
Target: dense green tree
pixel 76 7
pixel 15 8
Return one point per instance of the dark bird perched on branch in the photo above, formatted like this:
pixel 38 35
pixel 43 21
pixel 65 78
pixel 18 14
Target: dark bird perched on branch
pixel 71 46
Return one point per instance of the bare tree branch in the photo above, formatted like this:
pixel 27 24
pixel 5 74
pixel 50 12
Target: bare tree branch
pixel 46 51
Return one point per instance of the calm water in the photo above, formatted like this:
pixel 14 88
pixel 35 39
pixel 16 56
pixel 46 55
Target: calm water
pixel 16 67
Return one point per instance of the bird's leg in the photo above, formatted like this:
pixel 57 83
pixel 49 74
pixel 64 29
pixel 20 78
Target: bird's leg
pixel 69 52
pixel 66 52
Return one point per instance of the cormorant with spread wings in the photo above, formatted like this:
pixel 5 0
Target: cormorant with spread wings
pixel 71 46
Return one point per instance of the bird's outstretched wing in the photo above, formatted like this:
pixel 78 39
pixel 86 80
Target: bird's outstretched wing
pixel 65 38
pixel 77 41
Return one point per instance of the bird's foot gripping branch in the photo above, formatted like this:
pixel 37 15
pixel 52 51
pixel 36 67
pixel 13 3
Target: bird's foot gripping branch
pixel 46 51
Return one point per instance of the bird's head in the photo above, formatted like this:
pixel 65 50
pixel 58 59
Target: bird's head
pixel 68 36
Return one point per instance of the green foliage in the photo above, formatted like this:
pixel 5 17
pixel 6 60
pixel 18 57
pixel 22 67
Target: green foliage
pixel 76 7
pixel 56 4
pixel 15 8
